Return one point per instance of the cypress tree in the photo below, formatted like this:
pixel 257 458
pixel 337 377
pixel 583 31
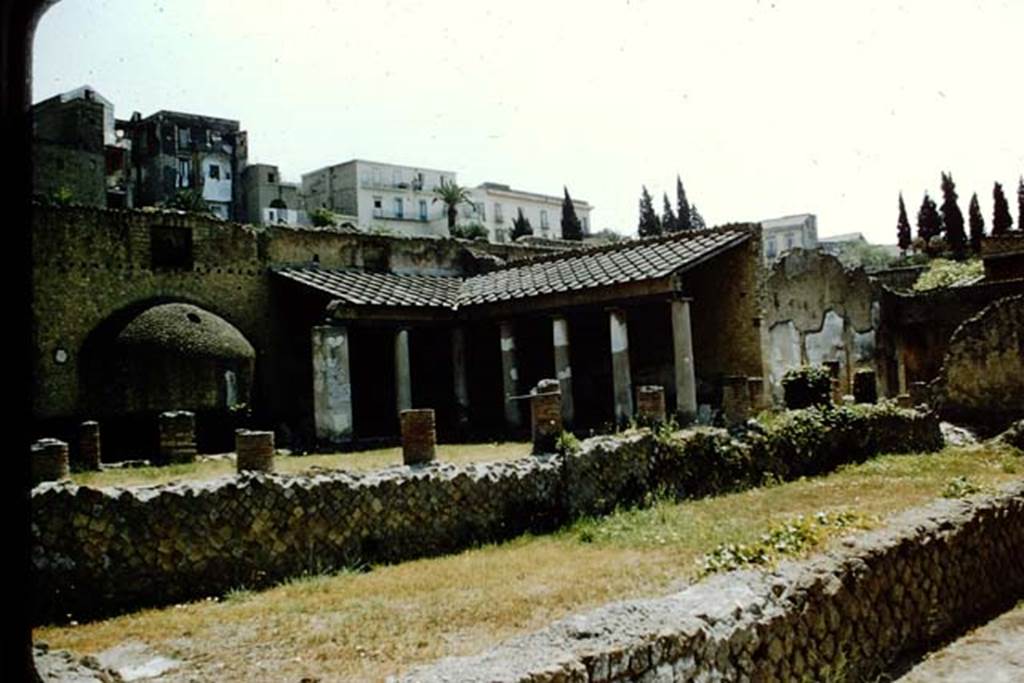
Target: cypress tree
pixel 649 224
pixel 683 221
pixel 572 229
pixel 903 228
pixel 953 219
pixel 696 220
pixel 1020 203
pixel 977 224
pixel 1001 220
pixel 929 224
pixel 668 219
pixel 521 225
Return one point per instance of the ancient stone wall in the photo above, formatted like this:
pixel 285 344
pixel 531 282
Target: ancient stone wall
pixel 816 311
pixel 982 376
pixel 100 550
pixel 847 616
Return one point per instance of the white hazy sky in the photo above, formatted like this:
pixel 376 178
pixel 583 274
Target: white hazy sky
pixel 764 108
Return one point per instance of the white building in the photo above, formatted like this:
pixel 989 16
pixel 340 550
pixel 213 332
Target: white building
pixel 495 206
pixel 388 197
pixel 780 235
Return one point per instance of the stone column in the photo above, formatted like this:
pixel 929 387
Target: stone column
pixel 459 379
pixel 419 436
pixel 49 461
pixel 177 436
pixel 546 415
pixel 403 372
pixel 682 354
pixel 89 445
pixel 254 451
pixel 563 369
pixel 650 404
pixel 621 379
pixel 510 376
pixel 332 384
pixel 735 399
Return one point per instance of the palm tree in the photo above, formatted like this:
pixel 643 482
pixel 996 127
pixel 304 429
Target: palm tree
pixel 452 195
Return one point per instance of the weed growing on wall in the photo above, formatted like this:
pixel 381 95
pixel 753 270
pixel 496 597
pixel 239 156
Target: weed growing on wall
pixel 960 487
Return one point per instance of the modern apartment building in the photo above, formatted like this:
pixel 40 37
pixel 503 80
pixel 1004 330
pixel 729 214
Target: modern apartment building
pixel 495 206
pixel 780 235
pixel 397 199
pixel 173 151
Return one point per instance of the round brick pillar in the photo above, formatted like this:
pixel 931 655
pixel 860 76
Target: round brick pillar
pixel 650 404
pixel 254 451
pixel 865 386
pixel 49 461
pixel 419 437
pixel 177 436
pixel 89 445
pixel 546 415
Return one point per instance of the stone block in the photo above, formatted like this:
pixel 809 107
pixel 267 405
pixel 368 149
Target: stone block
pixel 254 451
pixel 419 436
pixel 546 415
pixel 177 436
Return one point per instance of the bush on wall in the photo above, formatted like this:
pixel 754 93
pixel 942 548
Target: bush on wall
pixel 807 386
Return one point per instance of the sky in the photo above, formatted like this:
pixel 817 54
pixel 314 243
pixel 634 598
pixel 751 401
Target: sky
pixel 764 109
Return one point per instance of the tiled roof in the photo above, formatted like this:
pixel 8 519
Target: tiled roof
pixel 361 288
pixel 602 266
pixel 616 264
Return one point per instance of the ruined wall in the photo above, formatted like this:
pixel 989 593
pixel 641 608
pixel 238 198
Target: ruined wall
pixel 98 550
pixel 848 616
pixel 982 376
pixel 815 311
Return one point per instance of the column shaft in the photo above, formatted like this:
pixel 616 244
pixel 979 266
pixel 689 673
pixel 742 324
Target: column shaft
pixel 621 379
pixel 332 384
pixel 682 355
pixel 510 376
pixel 563 370
pixel 459 378
pixel 403 372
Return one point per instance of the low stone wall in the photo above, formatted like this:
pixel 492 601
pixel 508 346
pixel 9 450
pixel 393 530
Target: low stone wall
pixel 101 550
pixel 847 616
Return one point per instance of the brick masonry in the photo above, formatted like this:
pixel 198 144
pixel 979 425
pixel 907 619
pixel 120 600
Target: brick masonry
pixel 419 436
pixel 177 434
pixel 254 451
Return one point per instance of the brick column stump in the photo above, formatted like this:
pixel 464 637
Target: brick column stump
pixel 735 399
pixel 919 393
pixel 755 386
pixel 49 461
pixel 865 387
pixel 650 404
pixel 546 415
pixel 177 436
pixel 834 370
pixel 254 451
pixel 419 437
pixel 89 445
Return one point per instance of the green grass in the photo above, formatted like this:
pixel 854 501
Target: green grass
pixel 365 626
pixel 359 461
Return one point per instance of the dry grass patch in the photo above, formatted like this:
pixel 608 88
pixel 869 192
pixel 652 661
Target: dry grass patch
pixel 360 461
pixel 365 626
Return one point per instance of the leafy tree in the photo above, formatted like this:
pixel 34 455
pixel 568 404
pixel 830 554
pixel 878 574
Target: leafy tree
pixel 903 228
pixel 668 219
pixel 683 210
pixel 696 220
pixel 521 225
pixel 188 200
pixel 977 224
pixel 452 195
pixel 1001 220
pixel 572 229
pixel 321 217
pixel 929 224
pixel 953 219
pixel 470 231
pixel 649 223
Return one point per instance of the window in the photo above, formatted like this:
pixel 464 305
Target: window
pixel 498 216
pixel 583 223
pixel 544 219
pixel 378 207
pixel 184 137
pixel 771 247
pixel 271 177
pixel 482 211
pixel 399 208
pixel 184 173
pixel 215 171
pixel 423 209
pixel 790 241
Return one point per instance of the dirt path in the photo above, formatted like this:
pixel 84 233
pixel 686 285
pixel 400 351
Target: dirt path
pixel 993 653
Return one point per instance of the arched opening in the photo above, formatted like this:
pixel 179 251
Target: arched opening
pixel 278 204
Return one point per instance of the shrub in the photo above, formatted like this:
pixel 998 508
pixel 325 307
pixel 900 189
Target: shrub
pixel 943 273
pixel 321 217
pixel 472 231
pixel 807 386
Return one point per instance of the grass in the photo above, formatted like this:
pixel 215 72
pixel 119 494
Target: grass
pixel 365 626
pixel 355 461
